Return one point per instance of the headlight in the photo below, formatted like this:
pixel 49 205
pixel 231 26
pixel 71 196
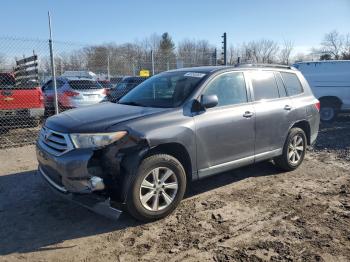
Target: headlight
pixel 96 140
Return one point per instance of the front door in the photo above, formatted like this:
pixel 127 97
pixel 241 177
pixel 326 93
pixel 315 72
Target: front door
pixel 225 133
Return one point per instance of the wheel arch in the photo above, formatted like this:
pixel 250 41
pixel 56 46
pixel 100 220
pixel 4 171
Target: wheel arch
pixel 333 100
pixel 176 150
pixel 305 126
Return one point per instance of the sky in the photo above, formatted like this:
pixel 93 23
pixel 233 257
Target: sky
pixel 94 22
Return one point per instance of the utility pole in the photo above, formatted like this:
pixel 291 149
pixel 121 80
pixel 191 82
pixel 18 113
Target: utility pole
pixel 224 48
pixel 53 73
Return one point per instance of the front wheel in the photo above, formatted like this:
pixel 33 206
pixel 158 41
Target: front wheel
pixel 158 188
pixel 293 151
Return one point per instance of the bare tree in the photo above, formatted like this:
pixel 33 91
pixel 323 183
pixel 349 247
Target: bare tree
pixel 346 49
pixel 268 50
pixel 333 44
pixel 286 51
pixel 186 52
pixel 152 42
pixel 261 51
pixel 232 55
pixel 2 61
pixel 195 53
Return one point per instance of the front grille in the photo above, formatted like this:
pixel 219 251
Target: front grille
pixel 54 142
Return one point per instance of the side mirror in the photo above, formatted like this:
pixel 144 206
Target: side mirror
pixel 209 101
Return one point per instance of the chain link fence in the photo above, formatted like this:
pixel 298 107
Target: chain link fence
pixel 85 75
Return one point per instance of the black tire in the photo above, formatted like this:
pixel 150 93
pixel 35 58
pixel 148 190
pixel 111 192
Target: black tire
pixel 284 162
pixel 134 205
pixel 34 122
pixel 329 111
pixel 49 111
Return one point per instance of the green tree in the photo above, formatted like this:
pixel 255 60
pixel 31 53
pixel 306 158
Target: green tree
pixel 167 54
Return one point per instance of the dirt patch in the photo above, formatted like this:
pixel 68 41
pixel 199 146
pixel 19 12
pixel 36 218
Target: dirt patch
pixel 18 137
pixel 254 213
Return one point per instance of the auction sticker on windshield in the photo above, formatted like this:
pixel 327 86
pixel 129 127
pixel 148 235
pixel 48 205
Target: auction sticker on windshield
pixel 194 74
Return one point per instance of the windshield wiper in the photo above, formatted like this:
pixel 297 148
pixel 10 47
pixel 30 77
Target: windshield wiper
pixel 131 103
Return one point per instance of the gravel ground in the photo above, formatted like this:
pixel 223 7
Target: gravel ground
pixel 254 213
pixel 18 137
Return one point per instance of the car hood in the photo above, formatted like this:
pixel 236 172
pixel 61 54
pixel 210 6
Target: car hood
pixel 97 118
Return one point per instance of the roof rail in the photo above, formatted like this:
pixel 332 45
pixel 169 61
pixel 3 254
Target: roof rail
pixel 264 65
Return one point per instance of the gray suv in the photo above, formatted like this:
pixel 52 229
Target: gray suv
pixel 176 127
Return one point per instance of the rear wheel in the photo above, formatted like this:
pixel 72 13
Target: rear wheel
pixel 293 151
pixel 329 110
pixel 158 188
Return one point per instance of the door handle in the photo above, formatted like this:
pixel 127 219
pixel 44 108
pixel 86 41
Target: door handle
pixel 287 107
pixel 248 114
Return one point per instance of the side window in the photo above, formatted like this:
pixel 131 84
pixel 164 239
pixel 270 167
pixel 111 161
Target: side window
pixel 281 88
pixel 130 85
pixel 230 89
pixel 59 83
pixel 292 83
pixel 264 85
pixel 49 85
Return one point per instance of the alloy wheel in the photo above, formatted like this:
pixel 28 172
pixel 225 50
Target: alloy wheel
pixel 158 189
pixel 295 149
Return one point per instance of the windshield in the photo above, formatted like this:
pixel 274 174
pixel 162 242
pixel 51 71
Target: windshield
pixel 165 90
pixel 121 86
pixel 106 84
pixel 7 81
pixel 84 84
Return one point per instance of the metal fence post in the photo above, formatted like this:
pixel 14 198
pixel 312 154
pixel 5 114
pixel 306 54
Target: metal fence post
pixel 108 72
pixel 152 60
pixel 53 73
pixel 133 69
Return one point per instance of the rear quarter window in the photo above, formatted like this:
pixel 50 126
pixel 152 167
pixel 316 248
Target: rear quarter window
pixel 281 89
pixel 292 84
pixel 7 81
pixel 84 84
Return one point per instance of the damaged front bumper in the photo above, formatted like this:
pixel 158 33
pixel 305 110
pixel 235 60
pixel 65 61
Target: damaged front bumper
pixel 103 174
pixel 69 176
pixel 95 203
pixel 69 171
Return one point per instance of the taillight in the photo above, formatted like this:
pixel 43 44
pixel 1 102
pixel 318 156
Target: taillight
pixel 71 93
pixel 318 105
pixel 41 97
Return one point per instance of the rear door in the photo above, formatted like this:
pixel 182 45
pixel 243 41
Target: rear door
pixel 274 111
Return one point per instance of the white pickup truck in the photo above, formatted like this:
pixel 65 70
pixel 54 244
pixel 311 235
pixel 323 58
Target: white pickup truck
pixel 330 82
